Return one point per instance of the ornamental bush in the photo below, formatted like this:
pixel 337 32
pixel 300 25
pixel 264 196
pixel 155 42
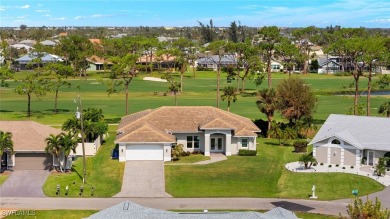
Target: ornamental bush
pixel 300 145
pixel 242 152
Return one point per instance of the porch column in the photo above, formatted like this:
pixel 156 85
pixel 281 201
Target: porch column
pixel 342 157
pixel 329 152
pixel 358 159
pixel 206 144
pixel 228 145
pixel 122 152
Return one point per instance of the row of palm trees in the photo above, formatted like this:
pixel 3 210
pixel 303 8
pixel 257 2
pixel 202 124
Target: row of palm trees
pixel 60 146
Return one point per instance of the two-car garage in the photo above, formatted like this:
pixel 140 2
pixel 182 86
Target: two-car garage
pixel 33 161
pixel 145 152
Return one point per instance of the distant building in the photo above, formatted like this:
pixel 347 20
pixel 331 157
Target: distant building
pixel 212 62
pixel 24 61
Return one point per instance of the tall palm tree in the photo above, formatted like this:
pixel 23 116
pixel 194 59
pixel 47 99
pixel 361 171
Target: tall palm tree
pixel 6 143
pixel 229 94
pixel 267 103
pixel 385 108
pixel 68 143
pixel 53 146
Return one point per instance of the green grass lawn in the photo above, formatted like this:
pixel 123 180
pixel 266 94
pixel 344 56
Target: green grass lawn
pixel 58 214
pixel 103 173
pixel 3 177
pixel 193 158
pixel 261 176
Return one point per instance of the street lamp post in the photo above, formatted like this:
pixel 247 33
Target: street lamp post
pixel 79 115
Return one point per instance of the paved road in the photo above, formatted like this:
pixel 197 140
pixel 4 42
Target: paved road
pixel 320 207
pixel 143 179
pixel 24 183
pixel 383 196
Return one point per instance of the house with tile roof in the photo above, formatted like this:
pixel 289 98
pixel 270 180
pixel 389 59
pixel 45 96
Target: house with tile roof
pixel 29 145
pixel 150 134
pixel 350 140
pixel 97 63
pixel 212 62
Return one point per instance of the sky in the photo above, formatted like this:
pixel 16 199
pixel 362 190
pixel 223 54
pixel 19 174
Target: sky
pixel 179 13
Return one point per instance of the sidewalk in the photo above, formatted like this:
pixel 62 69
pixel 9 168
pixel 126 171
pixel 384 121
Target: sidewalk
pixel 362 171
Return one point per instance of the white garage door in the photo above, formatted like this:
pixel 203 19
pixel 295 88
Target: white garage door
pixel 144 152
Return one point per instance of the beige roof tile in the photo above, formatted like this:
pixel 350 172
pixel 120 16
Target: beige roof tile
pixel 144 133
pixel 28 135
pixel 190 119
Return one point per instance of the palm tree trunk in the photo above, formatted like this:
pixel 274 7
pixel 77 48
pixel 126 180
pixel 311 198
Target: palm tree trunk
pixel 175 98
pixel 218 76
pixel 369 93
pixel 28 104
pixel 356 98
pixel 269 126
pixel 269 73
pixel 55 101
pixel 228 105
pixel 127 99
pixel 181 81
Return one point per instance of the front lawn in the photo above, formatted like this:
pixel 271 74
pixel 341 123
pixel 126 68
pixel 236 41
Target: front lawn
pixel 103 173
pixel 261 176
pixel 68 214
pixel 193 158
pixel 3 177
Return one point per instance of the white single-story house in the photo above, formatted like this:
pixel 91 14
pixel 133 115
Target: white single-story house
pixel 328 64
pixel 29 145
pixel 150 134
pixel 45 59
pixel 276 66
pixel 350 140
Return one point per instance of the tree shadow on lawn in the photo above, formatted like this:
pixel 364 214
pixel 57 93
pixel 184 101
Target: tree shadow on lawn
pixel 58 110
pixel 6 111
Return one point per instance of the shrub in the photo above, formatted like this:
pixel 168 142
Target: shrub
pixel 177 152
pixel 300 145
pixel 321 164
pixel 185 153
pixel 314 164
pixel 330 165
pixel 196 152
pixel 243 152
pixel 337 165
pixel 343 168
pixel 352 167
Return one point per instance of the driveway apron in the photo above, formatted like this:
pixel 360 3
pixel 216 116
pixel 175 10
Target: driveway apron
pixel 143 179
pixel 24 183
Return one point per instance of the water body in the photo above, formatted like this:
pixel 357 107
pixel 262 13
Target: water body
pixel 376 93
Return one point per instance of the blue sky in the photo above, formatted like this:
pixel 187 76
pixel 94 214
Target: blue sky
pixel 287 13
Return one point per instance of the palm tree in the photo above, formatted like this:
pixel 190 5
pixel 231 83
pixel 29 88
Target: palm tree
pixel 267 104
pixel 229 93
pixel 307 160
pixel 53 146
pixel 68 142
pixel 6 143
pixel 174 87
pixel 275 131
pixel 385 108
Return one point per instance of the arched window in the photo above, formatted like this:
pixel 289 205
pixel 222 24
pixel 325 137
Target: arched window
pixel 335 141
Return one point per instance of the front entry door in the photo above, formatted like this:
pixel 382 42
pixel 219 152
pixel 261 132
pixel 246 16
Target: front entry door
pixel 370 158
pixel 216 144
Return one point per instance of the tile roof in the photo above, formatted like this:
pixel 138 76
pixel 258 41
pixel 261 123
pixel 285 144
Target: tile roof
pixel 130 209
pixel 97 41
pixel 162 58
pixel 363 132
pixel 28 135
pixel 185 119
pixel 98 60
pixel 145 133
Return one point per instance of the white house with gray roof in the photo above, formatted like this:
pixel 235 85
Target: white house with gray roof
pixel 350 140
pixel 228 60
pixel 130 209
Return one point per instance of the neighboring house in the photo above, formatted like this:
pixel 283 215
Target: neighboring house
pixel 156 62
pixel 350 140
pixel 213 61
pixel 95 41
pixel 329 64
pixel 150 134
pixel 276 66
pixel 130 209
pixel 48 43
pixel 45 58
pixel 97 63
pixel 29 145
pixel 22 46
pixel 28 42
pixel 167 39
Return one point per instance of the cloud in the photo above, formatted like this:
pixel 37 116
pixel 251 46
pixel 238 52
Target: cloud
pixel 57 18
pixel 42 11
pixel 79 18
pixel 47 15
pixel 385 20
pixel 24 6
pixel 22 17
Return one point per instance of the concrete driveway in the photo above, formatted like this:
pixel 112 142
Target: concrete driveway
pixel 24 183
pixel 143 179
